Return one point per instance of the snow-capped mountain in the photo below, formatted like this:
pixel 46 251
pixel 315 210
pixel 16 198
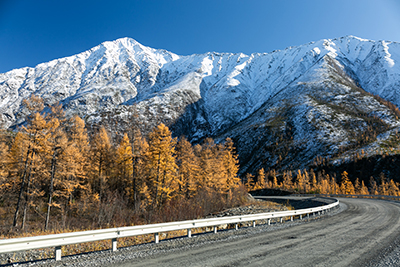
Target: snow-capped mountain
pixel 309 94
pixel 105 76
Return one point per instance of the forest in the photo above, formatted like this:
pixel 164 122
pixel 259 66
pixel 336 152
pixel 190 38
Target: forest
pixel 58 175
pixel 309 182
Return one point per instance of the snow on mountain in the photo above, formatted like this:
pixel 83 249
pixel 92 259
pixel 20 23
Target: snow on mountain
pixel 323 113
pixel 220 94
pixel 108 74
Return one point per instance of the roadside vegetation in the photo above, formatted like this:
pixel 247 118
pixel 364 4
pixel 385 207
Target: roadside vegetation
pixel 309 182
pixel 59 175
pixel 56 176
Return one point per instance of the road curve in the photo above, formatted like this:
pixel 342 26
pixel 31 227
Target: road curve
pixel 353 237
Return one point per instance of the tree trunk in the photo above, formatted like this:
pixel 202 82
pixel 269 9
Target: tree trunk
pixel 53 170
pixel 21 191
pixel 134 185
pixel 26 201
pixel 100 178
pixel 187 187
pixel 158 178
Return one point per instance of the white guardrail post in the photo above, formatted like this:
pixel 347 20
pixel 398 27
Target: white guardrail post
pixel 59 240
pixel 114 244
pixel 156 238
pixel 57 253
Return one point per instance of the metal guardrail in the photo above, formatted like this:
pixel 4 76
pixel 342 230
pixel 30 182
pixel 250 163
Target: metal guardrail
pixel 58 240
pixel 385 197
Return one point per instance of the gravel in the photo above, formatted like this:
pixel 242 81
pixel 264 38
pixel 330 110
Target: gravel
pixel 107 257
pixel 388 257
pixel 391 255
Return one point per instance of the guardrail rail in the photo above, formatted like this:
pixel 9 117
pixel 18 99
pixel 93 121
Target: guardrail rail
pixel 383 197
pixel 59 240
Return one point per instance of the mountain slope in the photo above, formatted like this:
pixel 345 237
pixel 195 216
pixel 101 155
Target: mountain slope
pixel 323 114
pixel 283 109
pixel 105 76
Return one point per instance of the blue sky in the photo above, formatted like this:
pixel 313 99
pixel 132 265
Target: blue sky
pixel 32 32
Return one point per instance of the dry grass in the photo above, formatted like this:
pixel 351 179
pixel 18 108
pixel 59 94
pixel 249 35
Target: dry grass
pixel 177 210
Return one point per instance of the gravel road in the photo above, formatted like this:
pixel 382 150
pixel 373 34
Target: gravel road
pixel 358 236
pixel 363 232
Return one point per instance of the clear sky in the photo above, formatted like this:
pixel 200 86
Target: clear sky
pixel 36 31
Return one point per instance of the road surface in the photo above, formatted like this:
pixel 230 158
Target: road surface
pixel 352 237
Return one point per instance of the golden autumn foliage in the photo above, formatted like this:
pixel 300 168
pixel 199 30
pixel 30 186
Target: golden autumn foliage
pixel 346 186
pixel 54 172
pixel 124 164
pixel 161 165
pixel 188 168
pixel 260 184
pixel 309 182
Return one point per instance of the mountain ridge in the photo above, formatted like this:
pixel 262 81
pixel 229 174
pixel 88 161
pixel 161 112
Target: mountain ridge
pixel 210 94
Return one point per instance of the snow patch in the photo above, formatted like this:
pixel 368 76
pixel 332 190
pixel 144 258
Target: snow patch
pixel 388 58
pixel 328 45
pixel 237 70
pixel 207 66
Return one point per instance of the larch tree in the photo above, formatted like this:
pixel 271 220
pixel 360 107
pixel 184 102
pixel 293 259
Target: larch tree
pixel 211 166
pixel 79 149
pixel 36 134
pixel 56 144
pixel 346 185
pixel 17 154
pixel 287 182
pixel 324 186
pixel 69 174
pixel 200 182
pixel 357 186
pixel 383 187
pixel 139 190
pixel 249 182
pixel 300 181
pixel 6 183
pixel 59 155
pixel 18 159
pixel 393 190
pixel 374 189
pixel 334 187
pixel 101 161
pixel 260 184
pixel 364 189
pixel 273 178
pixel 161 165
pixel 206 157
pixel 188 168
pixel 124 164
pixel 306 181
pixel 313 181
pixel 231 165
pixel 73 161
pixel 218 181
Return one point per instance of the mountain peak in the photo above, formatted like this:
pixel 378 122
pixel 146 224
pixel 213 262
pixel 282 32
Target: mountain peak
pixel 129 72
pixel 299 89
pixel 125 42
pixel 355 38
